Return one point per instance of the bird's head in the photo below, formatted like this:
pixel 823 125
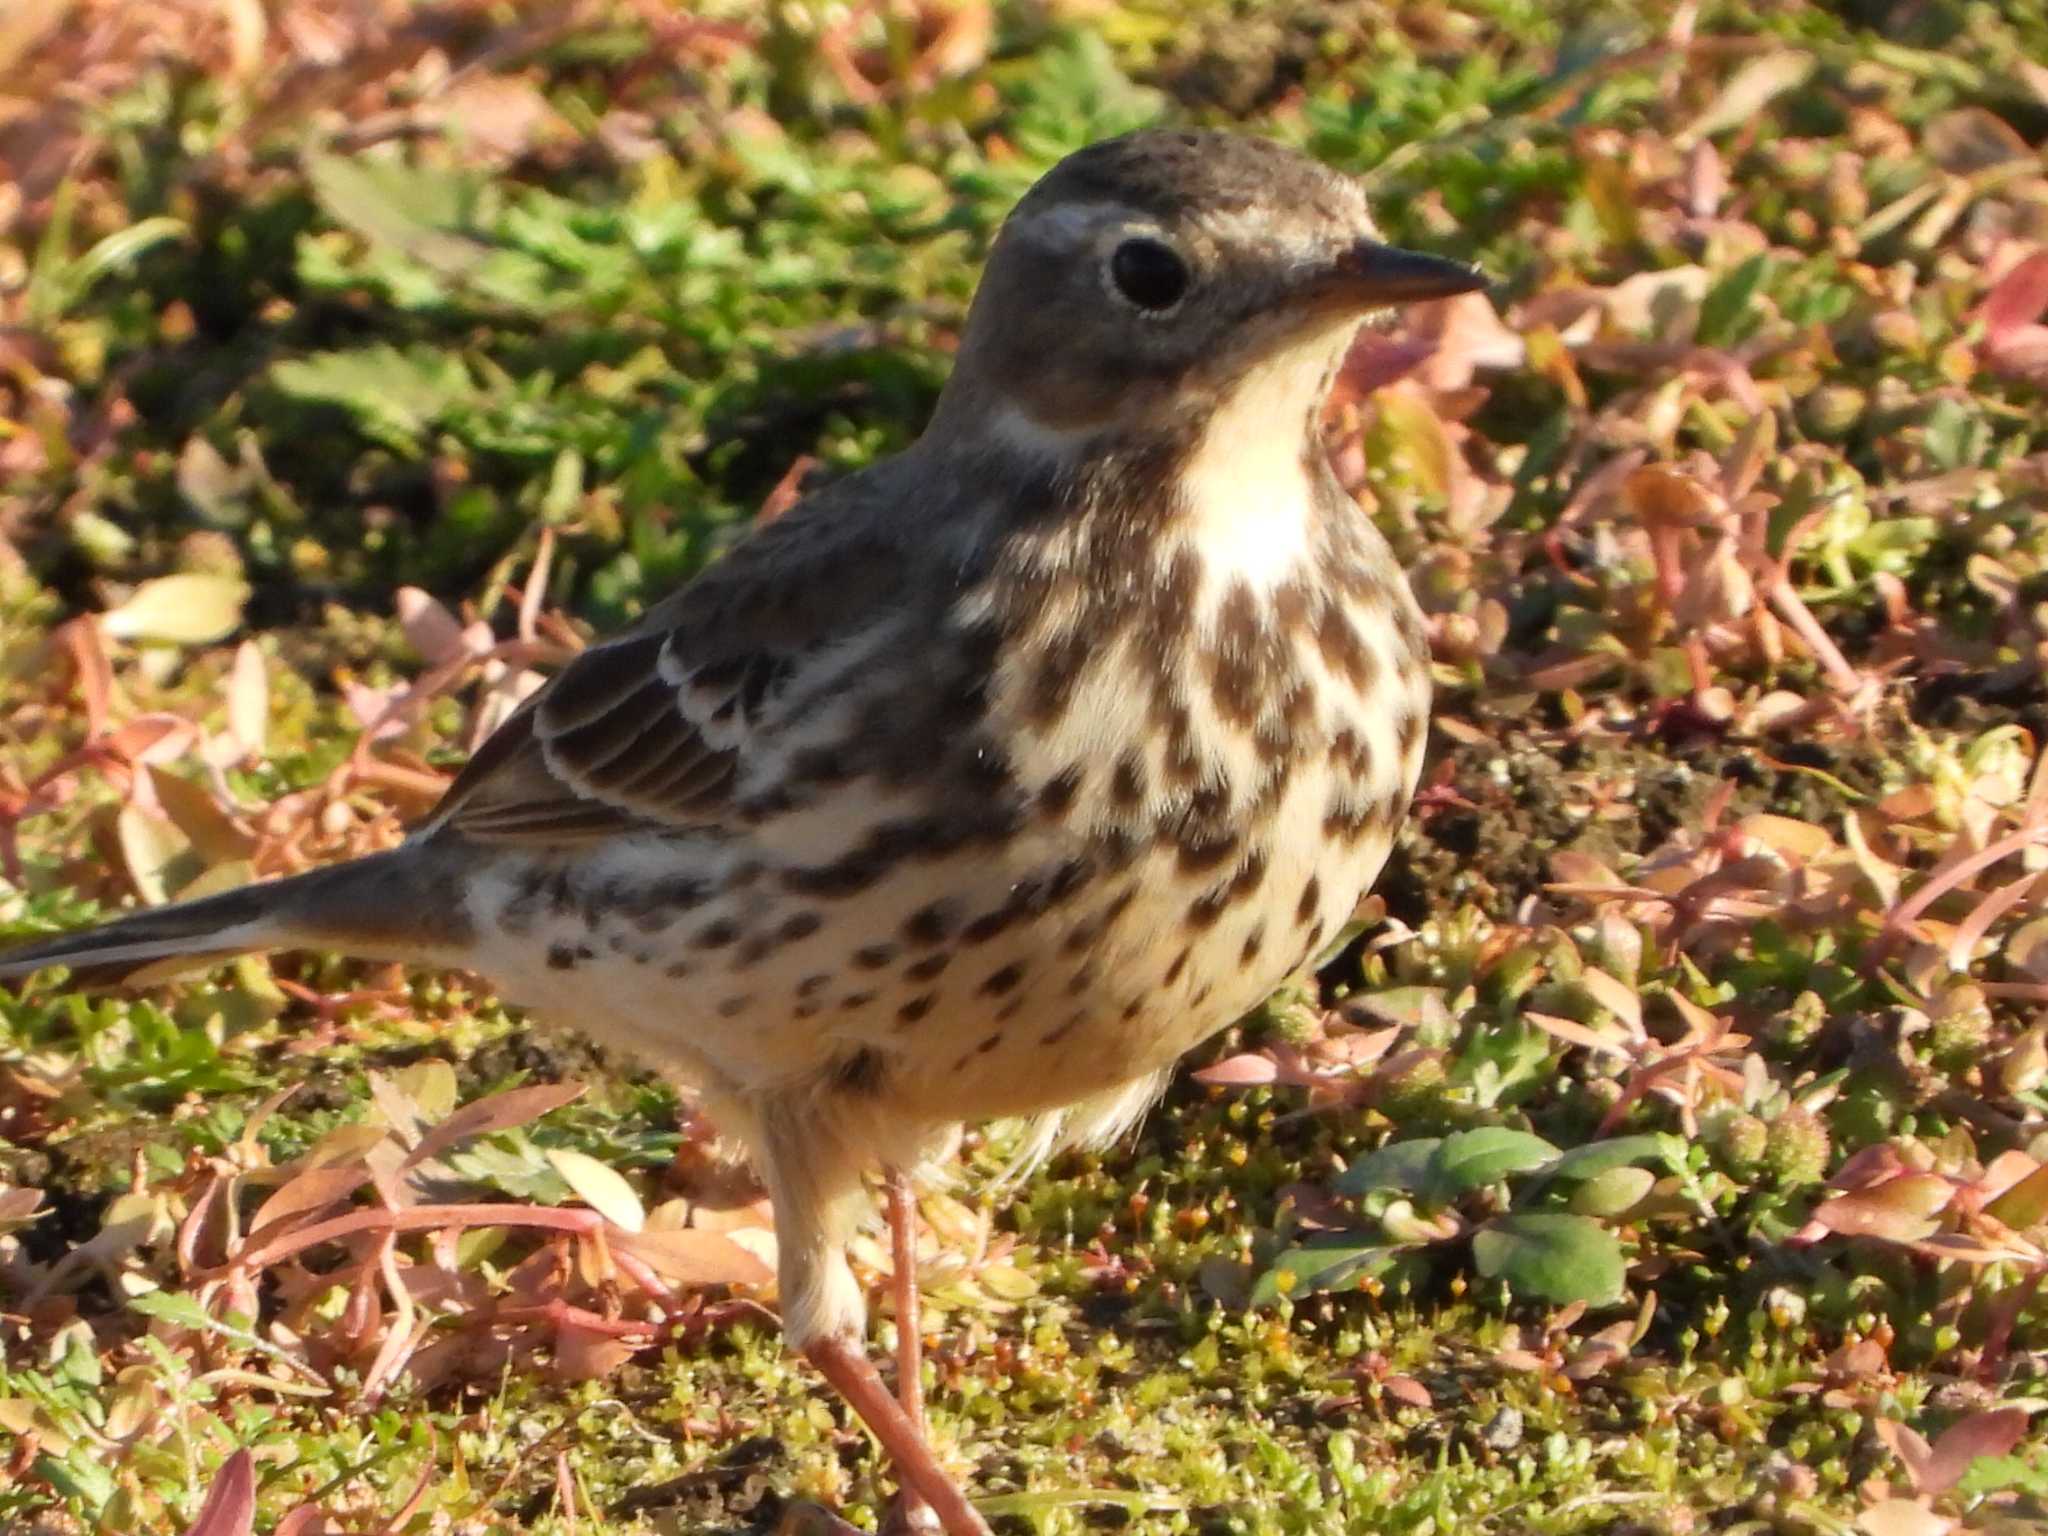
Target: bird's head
pixel 1147 280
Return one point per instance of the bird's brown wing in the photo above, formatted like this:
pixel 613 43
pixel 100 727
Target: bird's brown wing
pixel 652 729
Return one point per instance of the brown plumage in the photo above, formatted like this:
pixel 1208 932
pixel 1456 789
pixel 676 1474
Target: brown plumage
pixel 985 782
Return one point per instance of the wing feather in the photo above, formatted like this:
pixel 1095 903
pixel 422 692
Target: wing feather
pixel 652 730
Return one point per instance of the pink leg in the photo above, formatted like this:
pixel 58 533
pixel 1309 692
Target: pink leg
pixel 902 1200
pixel 842 1363
pixel 909 1515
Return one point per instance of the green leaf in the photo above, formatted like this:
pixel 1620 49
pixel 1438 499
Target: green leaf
pixel 414 212
pixel 1400 1165
pixel 1725 313
pixel 76 278
pixel 1316 1268
pixel 393 396
pixel 1551 1257
pixel 1597 1157
pixel 1955 436
pixel 1612 1192
pixel 178 1308
pixel 1472 1160
pixel 2025 1204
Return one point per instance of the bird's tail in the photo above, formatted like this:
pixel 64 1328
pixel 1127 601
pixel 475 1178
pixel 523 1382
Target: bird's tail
pixel 350 907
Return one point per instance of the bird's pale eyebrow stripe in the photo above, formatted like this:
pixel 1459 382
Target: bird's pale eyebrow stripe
pixel 1072 221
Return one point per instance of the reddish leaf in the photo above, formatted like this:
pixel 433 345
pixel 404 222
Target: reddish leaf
pixel 1993 1432
pixel 1244 1071
pixel 1900 1211
pixel 693 1258
pixel 314 1190
pixel 2017 300
pixel 499 1112
pixel 1406 1389
pixel 230 1507
pixel 430 627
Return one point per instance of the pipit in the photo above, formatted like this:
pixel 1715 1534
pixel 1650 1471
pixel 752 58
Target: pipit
pixel 982 783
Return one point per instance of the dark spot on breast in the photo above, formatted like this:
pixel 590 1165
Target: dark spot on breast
pixel 861 1073
pixel 1253 943
pixel 1410 733
pixel 1127 783
pixel 813 984
pixel 916 1008
pixel 853 1002
pixel 930 925
pixel 1068 880
pixel 1082 980
pixel 989 1044
pixel 1349 815
pixel 677 970
pixel 1236 659
pixel 930 966
pixel 1290 603
pixel 1207 907
pixel 1180 963
pixel 809 1010
pixel 1311 900
pixel 1073 1022
pixel 753 950
pixel 716 935
pixel 874 856
pixel 1182 761
pixel 1001 981
pixel 563 957
pixel 1201 995
pixel 1204 847
pixel 1056 794
pixel 1025 898
pixel 1119 847
pixel 733 1007
pixel 1133 1008
pixel 1344 652
pixel 800 925
pixel 1250 875
pixel 658 905
pixel 1061 660
pixel 985 770
pixel 874 957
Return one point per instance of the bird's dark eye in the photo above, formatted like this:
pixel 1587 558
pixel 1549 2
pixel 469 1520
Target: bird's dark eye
pixel 1149 273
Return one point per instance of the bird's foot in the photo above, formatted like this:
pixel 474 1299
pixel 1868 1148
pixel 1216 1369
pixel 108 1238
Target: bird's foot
pixel 842 1363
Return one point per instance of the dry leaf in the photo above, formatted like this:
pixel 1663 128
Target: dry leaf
pixel 1752 88
pixel 600 1187
pixel 188 609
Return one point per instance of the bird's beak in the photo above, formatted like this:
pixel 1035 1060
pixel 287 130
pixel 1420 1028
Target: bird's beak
pixel 1370 274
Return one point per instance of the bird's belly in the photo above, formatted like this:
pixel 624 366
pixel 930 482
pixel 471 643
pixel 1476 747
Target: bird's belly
pixel 987 982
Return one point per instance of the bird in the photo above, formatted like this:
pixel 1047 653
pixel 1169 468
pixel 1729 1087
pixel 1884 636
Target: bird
pixel 983 782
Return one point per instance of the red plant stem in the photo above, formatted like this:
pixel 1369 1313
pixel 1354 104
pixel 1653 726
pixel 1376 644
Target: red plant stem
pixel 427 1218
pixel 1793 610
pixel 1942 882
